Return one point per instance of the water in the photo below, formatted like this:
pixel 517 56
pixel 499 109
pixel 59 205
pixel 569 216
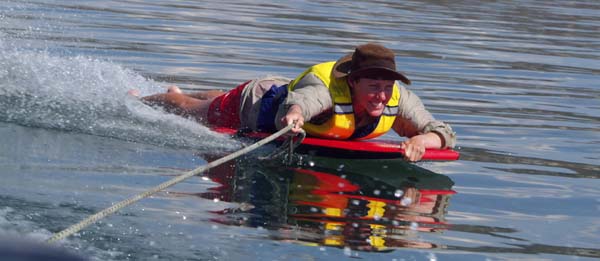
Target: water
pixel 517 80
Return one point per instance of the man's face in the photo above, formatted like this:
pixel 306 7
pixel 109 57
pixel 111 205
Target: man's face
pixel 370 96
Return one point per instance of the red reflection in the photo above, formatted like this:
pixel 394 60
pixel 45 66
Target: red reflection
pixel 314 207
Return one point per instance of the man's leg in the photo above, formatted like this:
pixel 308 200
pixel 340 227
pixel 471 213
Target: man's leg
pixel 180 104
pixel 203 95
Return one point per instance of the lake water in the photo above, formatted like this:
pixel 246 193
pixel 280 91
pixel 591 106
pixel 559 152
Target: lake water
pixel 517 80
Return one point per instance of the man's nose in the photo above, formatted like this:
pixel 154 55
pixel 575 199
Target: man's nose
pixel 381 95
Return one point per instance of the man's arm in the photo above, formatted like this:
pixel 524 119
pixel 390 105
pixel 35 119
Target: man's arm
pixel 416 123
pixel 309 98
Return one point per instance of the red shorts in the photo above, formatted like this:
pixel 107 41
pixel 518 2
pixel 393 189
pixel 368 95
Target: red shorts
pixel 224 111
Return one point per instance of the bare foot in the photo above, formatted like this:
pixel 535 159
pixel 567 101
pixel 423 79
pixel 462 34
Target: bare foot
pixel 174 89
pixel 134 92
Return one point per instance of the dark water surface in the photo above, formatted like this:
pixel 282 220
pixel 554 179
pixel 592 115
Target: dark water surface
pixel 517 80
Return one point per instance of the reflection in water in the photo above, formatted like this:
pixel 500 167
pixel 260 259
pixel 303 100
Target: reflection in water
pixel 324 204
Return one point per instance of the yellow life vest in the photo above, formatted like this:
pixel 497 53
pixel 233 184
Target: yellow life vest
pixel 342 125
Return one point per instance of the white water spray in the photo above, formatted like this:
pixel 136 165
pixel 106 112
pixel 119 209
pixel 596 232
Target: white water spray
pixel 87 95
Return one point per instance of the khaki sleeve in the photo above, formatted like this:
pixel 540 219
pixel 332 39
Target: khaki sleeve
pixel 413 119
pixel 311 94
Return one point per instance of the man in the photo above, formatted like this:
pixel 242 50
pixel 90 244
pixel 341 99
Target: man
pixel 356 97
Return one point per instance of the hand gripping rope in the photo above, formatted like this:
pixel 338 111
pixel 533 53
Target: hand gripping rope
pixel 93 218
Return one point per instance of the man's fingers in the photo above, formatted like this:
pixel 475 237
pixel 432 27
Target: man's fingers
pixel 411 152
pixel 408 151
pixel 297 124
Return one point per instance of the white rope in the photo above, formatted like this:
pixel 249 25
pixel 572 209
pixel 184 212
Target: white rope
pixel 286 147
pixel 93 218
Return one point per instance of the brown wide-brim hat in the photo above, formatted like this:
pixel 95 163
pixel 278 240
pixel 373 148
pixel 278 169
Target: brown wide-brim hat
pixel 369 59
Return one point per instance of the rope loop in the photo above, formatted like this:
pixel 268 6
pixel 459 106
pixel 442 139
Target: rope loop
pixel 286 148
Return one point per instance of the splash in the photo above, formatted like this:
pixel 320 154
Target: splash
pixel 88 95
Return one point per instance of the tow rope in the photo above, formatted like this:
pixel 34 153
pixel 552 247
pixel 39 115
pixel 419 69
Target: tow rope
pixel 114 208
pixel 287 147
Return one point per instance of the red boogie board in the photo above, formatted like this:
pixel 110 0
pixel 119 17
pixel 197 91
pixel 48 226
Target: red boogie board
pixel 352 148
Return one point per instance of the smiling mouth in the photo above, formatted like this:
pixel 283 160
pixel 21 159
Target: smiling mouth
pixel 376 105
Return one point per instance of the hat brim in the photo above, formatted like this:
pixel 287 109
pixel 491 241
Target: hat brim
pixel 380 73
pixel 342 66
pixel 342 69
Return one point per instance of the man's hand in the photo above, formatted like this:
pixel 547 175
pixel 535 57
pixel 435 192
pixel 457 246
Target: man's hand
pixel 414 148
pixel 294 115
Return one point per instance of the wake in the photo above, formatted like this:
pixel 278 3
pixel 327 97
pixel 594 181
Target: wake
pixel 88 95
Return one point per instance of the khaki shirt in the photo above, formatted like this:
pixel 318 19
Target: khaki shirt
pixel 313 97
